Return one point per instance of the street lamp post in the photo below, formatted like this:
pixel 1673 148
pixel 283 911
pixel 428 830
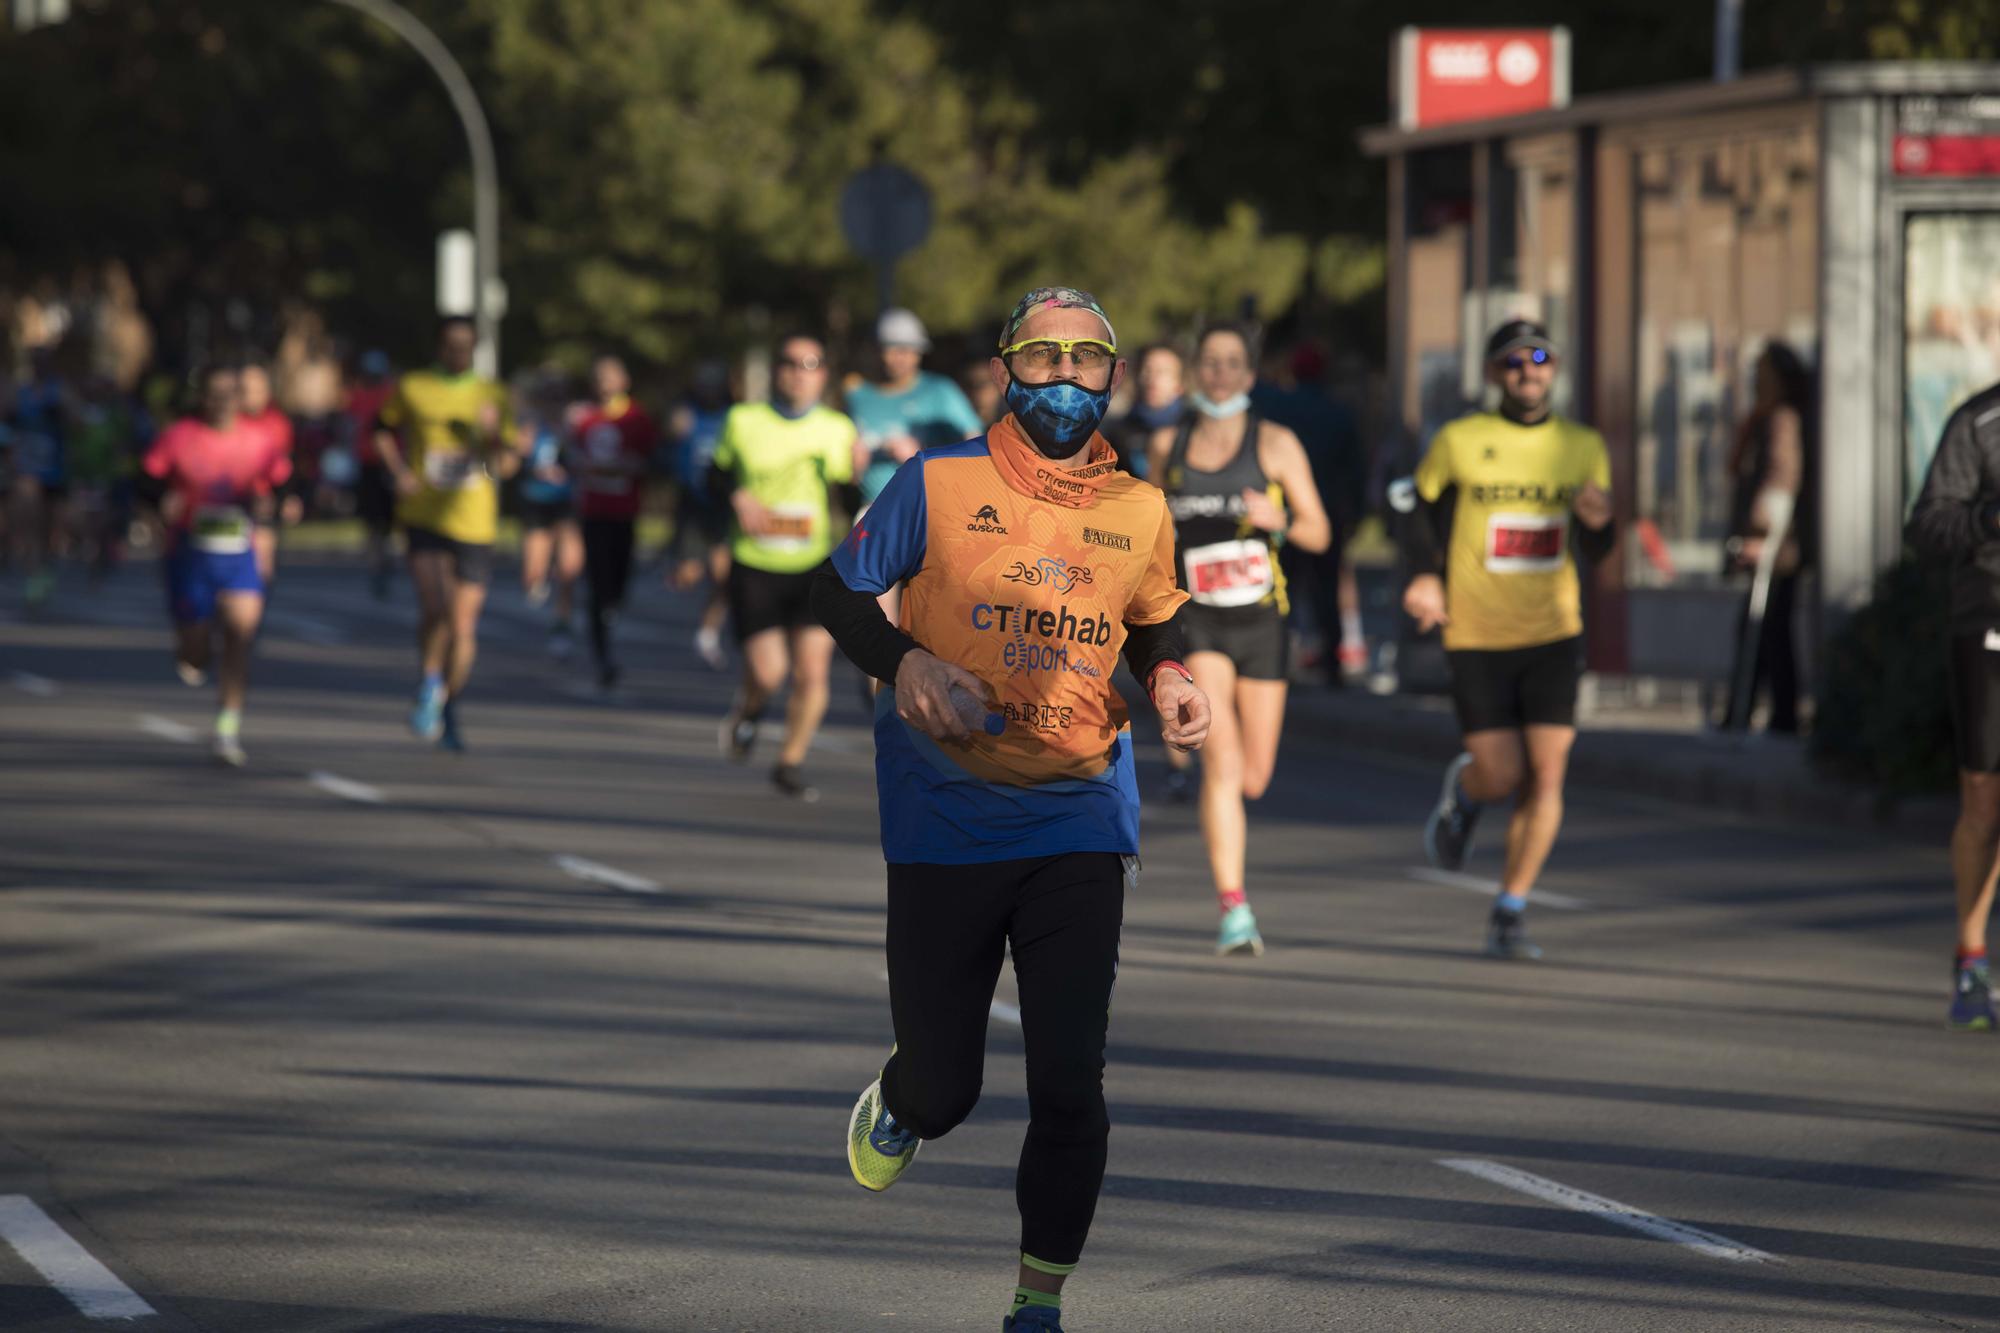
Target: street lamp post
pixel 485 171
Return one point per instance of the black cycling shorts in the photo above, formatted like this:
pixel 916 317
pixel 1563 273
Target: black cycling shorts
pixel 1509 688
pixel 1975 702
pixel 761 600
pixel 471 562
pixel 1253 637
pixel 537 514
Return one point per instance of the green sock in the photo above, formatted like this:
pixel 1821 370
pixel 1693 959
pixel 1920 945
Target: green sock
pixel 1024 1296
pixel 229 722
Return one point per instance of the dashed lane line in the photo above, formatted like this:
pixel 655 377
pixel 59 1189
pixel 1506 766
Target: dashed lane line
pixel 1624 1215
pixel 68 1267
pixel 1452 879
pixel 166 728
pixel 346 788
pixel 40 686
pixel 596 872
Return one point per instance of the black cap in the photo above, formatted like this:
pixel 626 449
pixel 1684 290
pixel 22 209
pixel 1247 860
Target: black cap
pixel 1516 334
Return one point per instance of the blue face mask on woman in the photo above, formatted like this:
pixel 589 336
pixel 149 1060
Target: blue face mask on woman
pixel 1058 417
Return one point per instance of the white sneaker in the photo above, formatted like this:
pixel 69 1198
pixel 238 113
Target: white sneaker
pixel 191 675
pixel 229 751
pixel 708 643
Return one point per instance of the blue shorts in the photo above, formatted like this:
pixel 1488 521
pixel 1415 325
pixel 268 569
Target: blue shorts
pixel 195 577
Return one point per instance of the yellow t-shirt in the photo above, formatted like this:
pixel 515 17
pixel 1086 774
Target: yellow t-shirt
pixel 437 417
pixel 1510 581
pixel 786 464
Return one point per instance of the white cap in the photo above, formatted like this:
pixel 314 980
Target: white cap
pixel 901 328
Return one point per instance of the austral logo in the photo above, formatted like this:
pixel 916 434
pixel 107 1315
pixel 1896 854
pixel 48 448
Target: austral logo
pixel 986 520
pixel 1116 541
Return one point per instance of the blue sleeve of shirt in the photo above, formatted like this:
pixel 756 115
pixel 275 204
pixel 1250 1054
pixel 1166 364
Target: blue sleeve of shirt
pixel 958 410
pixel 887 545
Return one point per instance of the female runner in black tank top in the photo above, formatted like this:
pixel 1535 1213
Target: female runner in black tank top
pixel 1229 478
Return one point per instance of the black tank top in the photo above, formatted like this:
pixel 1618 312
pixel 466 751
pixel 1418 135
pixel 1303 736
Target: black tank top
pixel 1222 558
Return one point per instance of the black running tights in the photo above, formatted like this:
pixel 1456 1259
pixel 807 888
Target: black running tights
pixel 948 928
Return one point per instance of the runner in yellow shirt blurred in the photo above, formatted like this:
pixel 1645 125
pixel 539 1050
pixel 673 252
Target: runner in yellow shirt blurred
pixel 447 439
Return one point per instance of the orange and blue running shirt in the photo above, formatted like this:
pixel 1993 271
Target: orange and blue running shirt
pixel 1024 573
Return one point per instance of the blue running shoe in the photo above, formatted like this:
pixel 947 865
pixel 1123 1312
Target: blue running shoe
pixel 1972 1000
pixel 449 737
pixel 1239 933
pixel 878 1149
pixel 427 717
pixel 1033 1319
pixel 1448 831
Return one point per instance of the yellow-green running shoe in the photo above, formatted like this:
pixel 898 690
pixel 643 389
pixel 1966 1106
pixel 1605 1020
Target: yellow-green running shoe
pixel 878 1149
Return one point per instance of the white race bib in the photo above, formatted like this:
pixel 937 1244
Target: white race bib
pixel 791 528
pixel 1526 543
pixel 450 469
pixel 1232 573
pixel 220 530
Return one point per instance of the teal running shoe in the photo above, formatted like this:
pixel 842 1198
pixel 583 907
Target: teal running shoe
pixel 1239 933
pixel 427 716
pixel 1972 1000
pixel 1033 1319
pixel 878 1149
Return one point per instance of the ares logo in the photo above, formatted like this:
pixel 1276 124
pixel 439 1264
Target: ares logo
pixel 1058 573
pixel 986 520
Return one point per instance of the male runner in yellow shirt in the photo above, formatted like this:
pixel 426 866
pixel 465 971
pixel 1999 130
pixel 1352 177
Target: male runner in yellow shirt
pixel 456 444
pixel 1496 571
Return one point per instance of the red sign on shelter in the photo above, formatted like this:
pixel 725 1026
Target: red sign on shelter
pixel 1452 74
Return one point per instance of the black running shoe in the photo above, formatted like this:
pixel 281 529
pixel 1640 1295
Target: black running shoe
pixel 1448 831
pixel 1507 937
pixel 788 779
pixel 737 738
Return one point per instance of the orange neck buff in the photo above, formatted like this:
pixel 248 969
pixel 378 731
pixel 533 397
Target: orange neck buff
pixel 1024 468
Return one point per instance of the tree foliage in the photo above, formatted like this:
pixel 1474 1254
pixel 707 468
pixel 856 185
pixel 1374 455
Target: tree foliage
pixel 672 167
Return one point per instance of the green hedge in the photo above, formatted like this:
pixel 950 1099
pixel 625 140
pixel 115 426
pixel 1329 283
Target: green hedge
pixel 1884 714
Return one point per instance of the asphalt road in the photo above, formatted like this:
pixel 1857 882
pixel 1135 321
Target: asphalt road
pixel 353 1040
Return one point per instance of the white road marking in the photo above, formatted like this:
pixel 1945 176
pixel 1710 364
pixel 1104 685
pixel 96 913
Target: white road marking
pixel 596 872
pixel 40 686
pixel 346 788
pixel 69 1268
pixel 166 728
pixel 1006 1013
pixel 1659 1228
pixel 1452 879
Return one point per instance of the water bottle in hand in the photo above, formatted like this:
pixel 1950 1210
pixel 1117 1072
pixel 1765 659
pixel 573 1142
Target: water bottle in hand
pixel 973 712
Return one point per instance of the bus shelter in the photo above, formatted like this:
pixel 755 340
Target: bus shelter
pixel 1665 236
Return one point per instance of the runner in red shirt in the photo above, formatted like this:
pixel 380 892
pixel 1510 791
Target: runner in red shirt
pixel 213 477
pixel 611 445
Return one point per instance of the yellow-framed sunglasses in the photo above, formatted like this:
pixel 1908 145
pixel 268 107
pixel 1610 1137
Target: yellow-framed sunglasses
pixel 1047 353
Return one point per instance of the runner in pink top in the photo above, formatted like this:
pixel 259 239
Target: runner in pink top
pixel 213 477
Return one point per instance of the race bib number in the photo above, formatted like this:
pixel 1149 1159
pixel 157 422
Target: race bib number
pixel 791 528
pixel 450 469
pixel 1232 573
pixel 220 530
pixel 1525 543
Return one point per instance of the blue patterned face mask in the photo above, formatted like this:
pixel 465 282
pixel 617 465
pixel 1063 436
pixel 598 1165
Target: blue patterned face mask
pixel 1058 417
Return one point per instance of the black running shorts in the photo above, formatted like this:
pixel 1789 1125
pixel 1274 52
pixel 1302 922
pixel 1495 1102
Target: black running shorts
pixel 1253 637
pixel 1975 701
pixel 1509 688
pixel 471 562
pixel 761 600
